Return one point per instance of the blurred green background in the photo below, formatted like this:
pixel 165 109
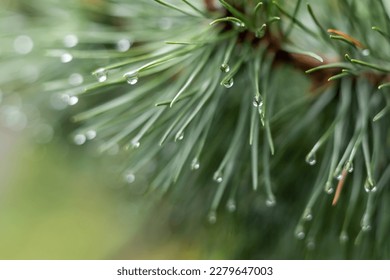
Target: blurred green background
pixel 62 201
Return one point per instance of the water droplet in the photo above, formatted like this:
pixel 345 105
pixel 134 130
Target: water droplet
pixel 73 100
pixel 329 188
pixel 365 52
pixel 339 176
pixel 365 223
pixel 212 217
pixel 23 44
pixel 79 139
pixel 229 83
pixel 195 165
pixel 66 58
pixel 135 144
pixel 307 215
pixel 311 159
pixel 366 227
pixel 180 137
pixel 90 134
pixel 75 79
pixel 349 166
pixel 71 40
pixel 240 26
pixel 101 75
pixel 344 237
pixel 231 205
pixel 129 177
pixel 270 202
pixel 300 235
pixel 131 78
pixel 225 68
pixel 370 186
pixel 123 45
pixel 311 244
pixel 218 177
pixel 258 102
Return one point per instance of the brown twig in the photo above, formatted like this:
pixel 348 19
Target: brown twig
pixel 339 187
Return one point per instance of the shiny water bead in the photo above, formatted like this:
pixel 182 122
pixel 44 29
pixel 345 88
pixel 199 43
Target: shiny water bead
pixel 79 139
pixel 91 134
pixel 270 202
pixel 123 45
pixel 23 44
pixel 311 159
pixel 212 217
pixel 231 205
pixel 75 79
pixel 71 40
pixel 195 165
pixel 218 177
pixel 225 68
pixel 66 57
pixel 129 177
pixel 229 83
pixel 131 78
pixel 101 75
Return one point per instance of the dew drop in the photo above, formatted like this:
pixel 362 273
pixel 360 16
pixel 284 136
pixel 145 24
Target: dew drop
pixel 370 187
pixel 212 217
pixel 135 144
pixel 270 202
pixel 300 235
pixel 131 78
pixel 66 58
pixel 75 79
pixel 229 83
pixel 258 102
pixel 329 188
pixel 366 227
pixel 339 176
pixel 344 237
pixel 365 52
pixel 195 165
pixel 73 100
pixel 71 40
pixel 240 26
pixel 311 159
pixel 225 68
pixel 101 75
pixel 123 45
pixel 310 244
pixel 129 177
pixel 218 177
pixel 23 44
pixel 231 205
pixel 79 139
pixel 90 134
pixel 180 137
pixel 348 166
pixel 307 215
